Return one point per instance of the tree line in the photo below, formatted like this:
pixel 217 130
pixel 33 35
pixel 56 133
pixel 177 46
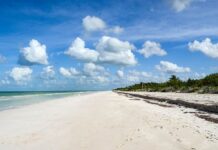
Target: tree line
pixel 208 84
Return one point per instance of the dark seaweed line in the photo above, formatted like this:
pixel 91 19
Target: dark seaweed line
pixel 208 118
pixel 201 107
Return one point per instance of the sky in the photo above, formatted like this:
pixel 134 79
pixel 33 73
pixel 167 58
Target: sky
pixel 102 44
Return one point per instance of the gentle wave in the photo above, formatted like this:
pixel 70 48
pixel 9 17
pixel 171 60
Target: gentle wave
pixel 35 95
pixel 9 100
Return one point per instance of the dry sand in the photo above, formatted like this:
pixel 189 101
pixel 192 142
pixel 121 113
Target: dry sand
pixel 209 99
pixel 104 121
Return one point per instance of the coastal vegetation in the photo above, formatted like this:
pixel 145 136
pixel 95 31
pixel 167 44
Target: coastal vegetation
pixel 208 84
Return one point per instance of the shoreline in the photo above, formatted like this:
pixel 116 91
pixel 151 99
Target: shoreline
pixel 104 121
pixel 15 100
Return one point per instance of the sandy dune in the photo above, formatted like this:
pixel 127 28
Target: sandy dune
pixel 104 121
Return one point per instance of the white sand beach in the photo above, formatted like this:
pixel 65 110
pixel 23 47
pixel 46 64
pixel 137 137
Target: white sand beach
pixel 104 121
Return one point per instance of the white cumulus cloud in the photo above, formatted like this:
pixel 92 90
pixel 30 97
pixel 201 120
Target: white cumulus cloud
pixel 100 79
pixel 92 69
pixel 137 76
pixel 93 23
pixel 21 74
pixel 152 48
pixel 108 50
pixel 34 54
pixel 4 81
pixel 140 73
pixel 78 51
pixel 114 51
pixel 206 47
pixel 120 73
pixel 68 72
pixel 180 5
pixel 48 72
pixel 169 67
pixel 198 75
pixel 116 29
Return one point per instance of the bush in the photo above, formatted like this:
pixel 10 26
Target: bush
pixel 209 84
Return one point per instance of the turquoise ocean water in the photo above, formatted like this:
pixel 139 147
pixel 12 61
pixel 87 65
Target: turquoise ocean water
pixel 9 100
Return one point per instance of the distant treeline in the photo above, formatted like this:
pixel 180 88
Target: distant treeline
pixel 208 84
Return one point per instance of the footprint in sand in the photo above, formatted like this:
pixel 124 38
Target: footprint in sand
pixel 2 142
pixel 179 140
pixel 158 126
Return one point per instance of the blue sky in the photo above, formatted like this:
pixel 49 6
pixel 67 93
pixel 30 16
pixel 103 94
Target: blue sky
pixel 101 44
